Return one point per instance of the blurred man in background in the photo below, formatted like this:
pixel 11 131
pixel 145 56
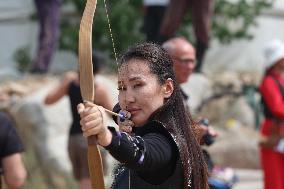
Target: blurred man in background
pixel 77 144
pixel 183 55
pixel 184 58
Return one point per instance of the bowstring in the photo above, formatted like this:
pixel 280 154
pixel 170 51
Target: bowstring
pixel 110 32
pixel 112 38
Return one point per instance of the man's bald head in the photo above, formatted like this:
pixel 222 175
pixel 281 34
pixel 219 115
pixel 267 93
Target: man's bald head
pixel 177 43
pixel 183 56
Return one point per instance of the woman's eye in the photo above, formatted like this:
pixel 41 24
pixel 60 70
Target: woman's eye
pixel 137 85
pixel 121 88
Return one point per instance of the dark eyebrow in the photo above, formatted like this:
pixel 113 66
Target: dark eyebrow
pixel 135 78
pixel 131 79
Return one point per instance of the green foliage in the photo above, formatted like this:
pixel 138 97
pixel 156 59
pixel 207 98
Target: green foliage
pixel 23 59
pixel 125 21
pixel 232 19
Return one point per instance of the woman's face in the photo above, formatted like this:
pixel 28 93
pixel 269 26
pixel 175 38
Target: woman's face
pixel 140 93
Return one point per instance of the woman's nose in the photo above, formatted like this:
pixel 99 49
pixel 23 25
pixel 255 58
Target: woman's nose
pixel 129 96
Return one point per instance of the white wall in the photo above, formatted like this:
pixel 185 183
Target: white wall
pixel 18 31
pixel 247 55
pixel 15 29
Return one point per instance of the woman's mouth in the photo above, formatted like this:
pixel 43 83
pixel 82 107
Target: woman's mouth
pixel 133 111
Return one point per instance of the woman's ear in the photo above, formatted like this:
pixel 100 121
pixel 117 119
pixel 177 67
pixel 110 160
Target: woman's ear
pixel 168 88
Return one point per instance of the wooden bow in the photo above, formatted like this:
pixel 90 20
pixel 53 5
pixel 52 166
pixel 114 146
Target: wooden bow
pixel 87 89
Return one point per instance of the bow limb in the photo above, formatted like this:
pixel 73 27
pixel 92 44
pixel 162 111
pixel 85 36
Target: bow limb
pixel 87 89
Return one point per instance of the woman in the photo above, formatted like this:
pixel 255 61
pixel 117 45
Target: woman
pixel 77 145
pixel 272 91
pixel 164 152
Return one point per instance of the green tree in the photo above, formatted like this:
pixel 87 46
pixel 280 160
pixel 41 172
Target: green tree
pixel 231 20
pixel 125 20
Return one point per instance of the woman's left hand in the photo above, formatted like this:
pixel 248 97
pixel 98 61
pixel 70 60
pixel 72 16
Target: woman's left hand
pixel 93 122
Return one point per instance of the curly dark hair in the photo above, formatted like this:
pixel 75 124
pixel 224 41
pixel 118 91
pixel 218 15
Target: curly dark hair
pixel 173 113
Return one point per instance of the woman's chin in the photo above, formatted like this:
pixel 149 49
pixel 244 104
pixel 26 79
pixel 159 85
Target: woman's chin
pixel 138 122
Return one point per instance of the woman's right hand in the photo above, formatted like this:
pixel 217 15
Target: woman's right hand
pixel 93 122
pixel 126 124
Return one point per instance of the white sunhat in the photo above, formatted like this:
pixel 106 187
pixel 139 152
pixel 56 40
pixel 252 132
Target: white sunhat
pixel 273 52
